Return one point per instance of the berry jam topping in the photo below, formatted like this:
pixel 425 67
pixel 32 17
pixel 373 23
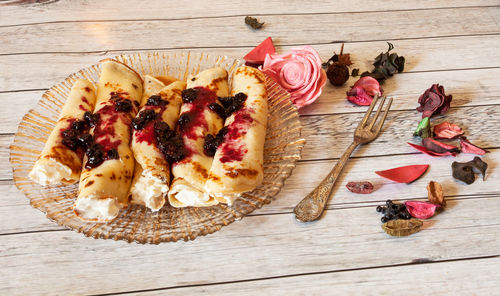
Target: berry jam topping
pixel 169 142
pixel 190 95
pixel 91 119
pixel 71 135
pixel 143 119
pixel 218 109
pixel 184 121
pixel 156 100
pixel 112 154
pixel 85 140
pixel 233 104
pixel 393 211
pixel 95 155
pixel 79 126
pixel 212 143
pixel 124 105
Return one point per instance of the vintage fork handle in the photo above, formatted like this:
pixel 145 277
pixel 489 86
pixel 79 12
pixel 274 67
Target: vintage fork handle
pixel 311 207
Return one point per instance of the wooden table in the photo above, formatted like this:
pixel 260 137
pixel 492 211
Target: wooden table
pixel 454 43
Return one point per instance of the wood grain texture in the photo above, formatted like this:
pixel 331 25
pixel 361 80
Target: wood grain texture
pixel 322 28
pixel 15 12
pixel 256 247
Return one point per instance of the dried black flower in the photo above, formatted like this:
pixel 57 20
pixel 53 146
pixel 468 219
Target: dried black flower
pixel 386 64
pixel 253 23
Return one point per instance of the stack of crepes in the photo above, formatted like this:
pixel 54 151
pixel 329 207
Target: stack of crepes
pixel 130 140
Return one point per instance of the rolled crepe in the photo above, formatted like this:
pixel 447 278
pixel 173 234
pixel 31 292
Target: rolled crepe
pixel 152 86
pixel 57 163
pixel 103 189
pixel 152 174
pixel 238 161
pixel 191 173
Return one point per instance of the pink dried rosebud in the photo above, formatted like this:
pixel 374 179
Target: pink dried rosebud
pixel 299 72
pixel 433 101
pixel 421 209
pixel 363 91
pixel 360 187
pixel 468 147
pixel 446 130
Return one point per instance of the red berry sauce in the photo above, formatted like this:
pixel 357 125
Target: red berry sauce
pixel 232 149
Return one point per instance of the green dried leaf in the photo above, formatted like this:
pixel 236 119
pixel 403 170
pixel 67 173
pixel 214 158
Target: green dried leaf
pixel 402 227
pixel 253 22
pixel 424 129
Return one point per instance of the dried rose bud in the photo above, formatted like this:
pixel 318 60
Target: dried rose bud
pixel 338 74
pixel 468 147
pixel 421 209
pixel 446 130
pixel 434 101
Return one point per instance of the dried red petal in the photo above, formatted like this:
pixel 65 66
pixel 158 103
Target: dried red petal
pixel 428 152
pixel 468 147
pixel 405 174
pixel 433 101
pixel 258 54
pixel 370 85
pixel 421 209
pixel 438 147
pixel 358 96
pixel 360 187
pixel 363 90
pixel 446 130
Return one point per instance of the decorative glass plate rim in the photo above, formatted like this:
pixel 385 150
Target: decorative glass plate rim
pixel 17 153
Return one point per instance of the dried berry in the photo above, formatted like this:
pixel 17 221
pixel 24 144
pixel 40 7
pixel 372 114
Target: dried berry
pixel 423 129
pixel 438 147
pixel 434 101
pixel 156 100
pixel 360 187
pixel 435 193
pixel 402 227
pixel 428 152
pixel 405 174
pixel 464 171
pixel 190 95
pixel 253 23
pixel 421 209
pixel 393 211
pixel 386 64
pixel 446 130
pixel 468 147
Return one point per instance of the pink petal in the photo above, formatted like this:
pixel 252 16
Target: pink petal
pixel 421 209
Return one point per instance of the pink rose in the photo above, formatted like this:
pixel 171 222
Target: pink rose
pixel 299 72
pixel 363 91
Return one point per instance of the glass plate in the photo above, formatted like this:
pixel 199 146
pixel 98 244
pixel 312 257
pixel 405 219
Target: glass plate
pixel 136 223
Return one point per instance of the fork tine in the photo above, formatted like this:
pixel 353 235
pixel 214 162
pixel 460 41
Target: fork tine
pixel 370 126
pixel 386 111
pixel 369 111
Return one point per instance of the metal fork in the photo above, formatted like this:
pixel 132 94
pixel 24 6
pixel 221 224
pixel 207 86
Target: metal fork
pixel 311 207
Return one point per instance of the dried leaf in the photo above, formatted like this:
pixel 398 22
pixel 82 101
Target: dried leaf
pixel 428 152
pixel 468 147
pixel 360 187
pixel 438 147
pixel 386 65
pixel 423 129
pixel 421 209
pixel 446 130
pixel 405 174
pixel 355 72
pixel 402 227
pixel 464 171
pixel 253 22
pixel 435 193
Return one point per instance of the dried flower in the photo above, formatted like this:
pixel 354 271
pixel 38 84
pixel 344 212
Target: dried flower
pixel 435 193
pixel 355 72
pixel 446 130
pixel 405 174
pixel 434 101
pixel 464 171
pixel 421 209
pixel 360 187
pixel 257 55
pixel 438 147
pixel 386 65
pixel 363 91
pixel 298 72
pixel 402 227
pixel 428 152
pixel 253 23
pixel 468 147
pixel 424 129
pixel 337 71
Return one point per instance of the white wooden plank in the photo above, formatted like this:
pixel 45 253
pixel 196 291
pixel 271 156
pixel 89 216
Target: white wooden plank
pixel 17 216
pixel 13 12
pixel 286 29
pixel 256 247
pixel 20 72
pixel 470 277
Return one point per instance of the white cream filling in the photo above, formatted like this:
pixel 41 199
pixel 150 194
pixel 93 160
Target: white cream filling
pixel 96 209
pixel 190 196
pixel 149 191
pixel 227 198
pixel 50 171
